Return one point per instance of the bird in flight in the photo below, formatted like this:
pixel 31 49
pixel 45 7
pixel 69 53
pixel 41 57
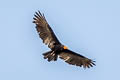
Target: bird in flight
pixel 57 49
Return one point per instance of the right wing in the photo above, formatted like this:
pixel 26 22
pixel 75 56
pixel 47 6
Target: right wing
pixel 76 59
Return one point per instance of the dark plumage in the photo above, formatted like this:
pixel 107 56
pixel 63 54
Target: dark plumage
pixel 57 49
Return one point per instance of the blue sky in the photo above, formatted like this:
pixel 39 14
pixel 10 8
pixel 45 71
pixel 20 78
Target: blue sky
pixel 89 27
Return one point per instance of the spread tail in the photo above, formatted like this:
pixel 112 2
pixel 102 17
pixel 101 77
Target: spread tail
pixel 50 55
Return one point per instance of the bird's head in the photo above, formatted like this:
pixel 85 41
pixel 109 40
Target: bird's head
pixel 65 47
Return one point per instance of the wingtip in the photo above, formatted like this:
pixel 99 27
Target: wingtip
pixel 33 21
pixel 39 11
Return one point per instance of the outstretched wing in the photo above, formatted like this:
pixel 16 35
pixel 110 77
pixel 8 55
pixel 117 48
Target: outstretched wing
pixel 44 30
pixel 76 59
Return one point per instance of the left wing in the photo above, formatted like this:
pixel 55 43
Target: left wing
pixel 76 59
pixel 44 30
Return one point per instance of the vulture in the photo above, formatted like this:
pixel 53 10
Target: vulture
pixel 58 50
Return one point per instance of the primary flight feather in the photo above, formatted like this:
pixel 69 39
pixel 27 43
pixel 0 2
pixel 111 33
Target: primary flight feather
pixel 57 49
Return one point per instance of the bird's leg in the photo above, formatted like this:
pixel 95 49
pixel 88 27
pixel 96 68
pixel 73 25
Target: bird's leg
pixel 52 54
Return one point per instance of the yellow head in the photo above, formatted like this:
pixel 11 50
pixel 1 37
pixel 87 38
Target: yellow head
pixel 65 47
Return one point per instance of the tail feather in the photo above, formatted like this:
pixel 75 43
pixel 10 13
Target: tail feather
pixel 50 55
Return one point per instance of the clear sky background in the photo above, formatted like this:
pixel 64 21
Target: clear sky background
pixel 89 27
